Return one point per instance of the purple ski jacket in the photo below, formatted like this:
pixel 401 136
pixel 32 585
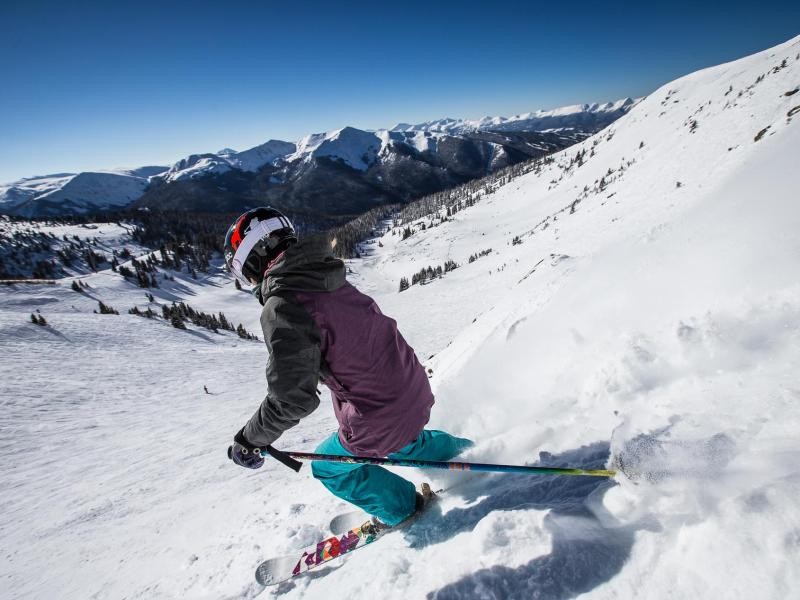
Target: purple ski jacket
pixel 319 327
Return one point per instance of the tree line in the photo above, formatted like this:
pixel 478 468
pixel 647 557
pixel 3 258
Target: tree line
pixel 428 274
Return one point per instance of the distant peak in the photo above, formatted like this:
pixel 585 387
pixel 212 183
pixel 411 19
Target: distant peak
pixel 530 120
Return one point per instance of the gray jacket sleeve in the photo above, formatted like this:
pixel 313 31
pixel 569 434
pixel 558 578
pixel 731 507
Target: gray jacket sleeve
pixel 293 344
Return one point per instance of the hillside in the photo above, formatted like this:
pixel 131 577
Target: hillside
pixel 75 193
pixel 652 291
pixel 633 300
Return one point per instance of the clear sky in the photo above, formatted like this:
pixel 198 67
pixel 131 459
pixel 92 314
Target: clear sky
pixel 91 85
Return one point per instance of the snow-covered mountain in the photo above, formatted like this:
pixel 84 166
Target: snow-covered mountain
pixel 75 193
pixel 348 171
pixel 360 149
pixel 355 148
pixel 197 165
pixel 633 299
pixel 577 117
pixel 385 166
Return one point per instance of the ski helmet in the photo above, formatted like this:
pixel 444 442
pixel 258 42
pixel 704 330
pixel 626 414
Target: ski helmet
pixel 254 240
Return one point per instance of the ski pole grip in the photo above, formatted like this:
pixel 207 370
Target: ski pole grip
pixel 284 458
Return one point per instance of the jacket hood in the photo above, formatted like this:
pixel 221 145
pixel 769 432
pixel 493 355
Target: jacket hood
pixel 307 266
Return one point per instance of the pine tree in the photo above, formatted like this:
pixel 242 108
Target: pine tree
pixel 105 309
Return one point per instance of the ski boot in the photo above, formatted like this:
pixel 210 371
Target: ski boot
pixel 424 497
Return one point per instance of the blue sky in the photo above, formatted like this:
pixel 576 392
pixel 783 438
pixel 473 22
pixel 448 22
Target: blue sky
pixel 99 85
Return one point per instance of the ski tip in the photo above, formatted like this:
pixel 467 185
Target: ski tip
pixel 275 570
pixel 264 577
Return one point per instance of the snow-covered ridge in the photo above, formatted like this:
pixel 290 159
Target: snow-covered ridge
pixel 51 194
pixel 198 165
pixel 79 192
pixel 566 117
pixel 360 149
pixel 356 148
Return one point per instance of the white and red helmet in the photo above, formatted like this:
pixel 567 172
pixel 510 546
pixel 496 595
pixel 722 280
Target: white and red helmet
pixel 254 240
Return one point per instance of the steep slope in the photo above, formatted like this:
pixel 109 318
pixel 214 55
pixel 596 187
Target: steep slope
pixel 645 283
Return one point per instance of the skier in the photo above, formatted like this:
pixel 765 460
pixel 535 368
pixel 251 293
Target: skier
pixel 205 389
pixel 318 326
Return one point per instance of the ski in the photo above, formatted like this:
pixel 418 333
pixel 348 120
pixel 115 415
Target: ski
pixel 344 522
pixel 277 570
pixel 351 531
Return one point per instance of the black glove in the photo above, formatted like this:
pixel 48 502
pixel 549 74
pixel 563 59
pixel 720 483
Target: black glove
pixel 243 453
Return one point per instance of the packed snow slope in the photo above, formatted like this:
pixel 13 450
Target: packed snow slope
pixel 637 301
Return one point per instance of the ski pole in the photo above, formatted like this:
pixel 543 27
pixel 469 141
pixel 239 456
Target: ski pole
pixel 287 459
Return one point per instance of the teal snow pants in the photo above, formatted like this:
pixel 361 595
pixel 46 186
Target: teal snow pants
pixel 377 491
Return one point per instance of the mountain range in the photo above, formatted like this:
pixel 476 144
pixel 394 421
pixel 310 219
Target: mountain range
pixel 336 174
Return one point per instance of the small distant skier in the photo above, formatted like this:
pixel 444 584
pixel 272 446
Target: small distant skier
pixel 317 326
pixel 205 389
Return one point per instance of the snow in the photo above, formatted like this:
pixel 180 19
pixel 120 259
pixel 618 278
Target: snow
pixel 67 193
pixel 357 149
pixel 19 192
pixel 421 141
pixel 565 117
pixel 640 319
pixel 200 165
pixel 76 192
pixel 268 153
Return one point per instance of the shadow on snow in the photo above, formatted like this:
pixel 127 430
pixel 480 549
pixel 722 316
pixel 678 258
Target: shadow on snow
pixel 589 546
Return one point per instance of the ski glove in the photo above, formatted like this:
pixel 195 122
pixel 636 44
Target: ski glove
pixel 243 453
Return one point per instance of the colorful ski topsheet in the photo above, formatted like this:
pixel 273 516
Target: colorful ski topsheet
pixel 348 535
pixel 275 570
